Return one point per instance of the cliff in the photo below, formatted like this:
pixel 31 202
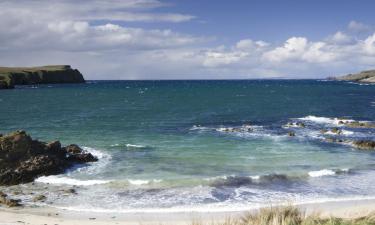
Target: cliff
pixel 363 77
pixel 10 76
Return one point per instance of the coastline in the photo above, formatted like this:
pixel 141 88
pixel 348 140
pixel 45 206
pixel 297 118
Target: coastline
pixel 48 215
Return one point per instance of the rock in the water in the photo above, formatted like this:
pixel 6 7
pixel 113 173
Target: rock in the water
pixel 291 134
pixel 335 140
pixel 365 144
pixel 336 130
pixel 76 154
pixel 70 191
pixel 357 124
pixel 24 159
pixel 295 124
pixel 39 198
pixel 5 200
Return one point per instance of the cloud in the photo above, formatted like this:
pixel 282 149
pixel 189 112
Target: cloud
pixel 369 45
pixel 293 49
pixel 248 44
pixel 100 40
pixel 358 27
pixel 340 38
pixel 26 32
pixel 95 10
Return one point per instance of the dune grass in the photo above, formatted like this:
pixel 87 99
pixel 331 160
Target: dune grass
pixel 290 215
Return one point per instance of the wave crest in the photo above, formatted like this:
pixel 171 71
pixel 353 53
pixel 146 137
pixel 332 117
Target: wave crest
pixel 327 172
pixel 69 181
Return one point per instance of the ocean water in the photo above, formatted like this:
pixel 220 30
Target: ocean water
pixel 198 145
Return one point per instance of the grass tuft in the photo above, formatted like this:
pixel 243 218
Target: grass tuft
pixel 290 215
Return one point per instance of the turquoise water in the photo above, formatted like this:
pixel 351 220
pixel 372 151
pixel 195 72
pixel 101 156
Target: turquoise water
pixel 199 145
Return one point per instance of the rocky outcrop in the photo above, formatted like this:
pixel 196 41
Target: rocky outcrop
pixel 11 76
pixel 23 159
pixel 363 77
pixel 357 124
pixel 365 144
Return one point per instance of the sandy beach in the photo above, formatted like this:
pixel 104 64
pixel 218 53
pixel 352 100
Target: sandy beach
pixel 51 216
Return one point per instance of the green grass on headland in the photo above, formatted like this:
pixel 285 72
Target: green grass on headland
pixel 10 76
pixel 33 69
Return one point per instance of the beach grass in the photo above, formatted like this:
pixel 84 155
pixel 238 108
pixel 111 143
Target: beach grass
pixel 290 215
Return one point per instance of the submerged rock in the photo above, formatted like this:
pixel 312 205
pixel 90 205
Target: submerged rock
pixel 364 144
pixel 243 129
pixel 335 140
pixel 39 198
pixel 295 124
pixel 23 159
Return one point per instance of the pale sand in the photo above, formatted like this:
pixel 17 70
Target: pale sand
pixel 51 216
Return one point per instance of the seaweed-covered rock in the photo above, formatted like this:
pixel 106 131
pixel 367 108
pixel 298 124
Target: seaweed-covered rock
pixel 24 159
pixel 364 144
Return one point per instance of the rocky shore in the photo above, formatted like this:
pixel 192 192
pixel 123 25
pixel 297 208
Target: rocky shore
pixel 23 159
pixel 362 77
pixel 11 76
pixel 362 144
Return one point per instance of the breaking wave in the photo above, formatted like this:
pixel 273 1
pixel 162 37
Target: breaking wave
pixel 69 181
pixel 327 172
pixel 325 120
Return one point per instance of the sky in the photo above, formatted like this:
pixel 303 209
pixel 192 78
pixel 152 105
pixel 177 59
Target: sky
pixel 186 39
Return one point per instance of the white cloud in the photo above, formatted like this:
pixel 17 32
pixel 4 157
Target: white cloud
pixel 340 38
pixel 292 50
pixel 108 10
pixel 214 59
pixel 68 32
pixel 369 45
pixel 248 44
pixel 358 27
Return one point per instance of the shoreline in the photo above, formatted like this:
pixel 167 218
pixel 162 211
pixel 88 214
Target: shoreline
pixel 348 209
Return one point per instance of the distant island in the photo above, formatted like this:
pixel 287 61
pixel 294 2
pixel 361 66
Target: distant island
pixel 54 74
pixel 367 76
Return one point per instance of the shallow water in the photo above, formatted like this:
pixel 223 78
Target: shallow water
pixel 199 145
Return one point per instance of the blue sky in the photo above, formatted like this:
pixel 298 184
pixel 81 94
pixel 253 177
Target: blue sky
pixel 269 20
pixel 156 39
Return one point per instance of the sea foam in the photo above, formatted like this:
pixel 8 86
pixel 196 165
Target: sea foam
pixel 325 120
pixel 327 172
pixel 69 181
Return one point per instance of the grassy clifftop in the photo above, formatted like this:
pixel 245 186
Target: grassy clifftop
pixel 10 76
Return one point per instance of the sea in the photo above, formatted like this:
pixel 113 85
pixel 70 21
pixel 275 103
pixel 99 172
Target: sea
pixel 198 145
